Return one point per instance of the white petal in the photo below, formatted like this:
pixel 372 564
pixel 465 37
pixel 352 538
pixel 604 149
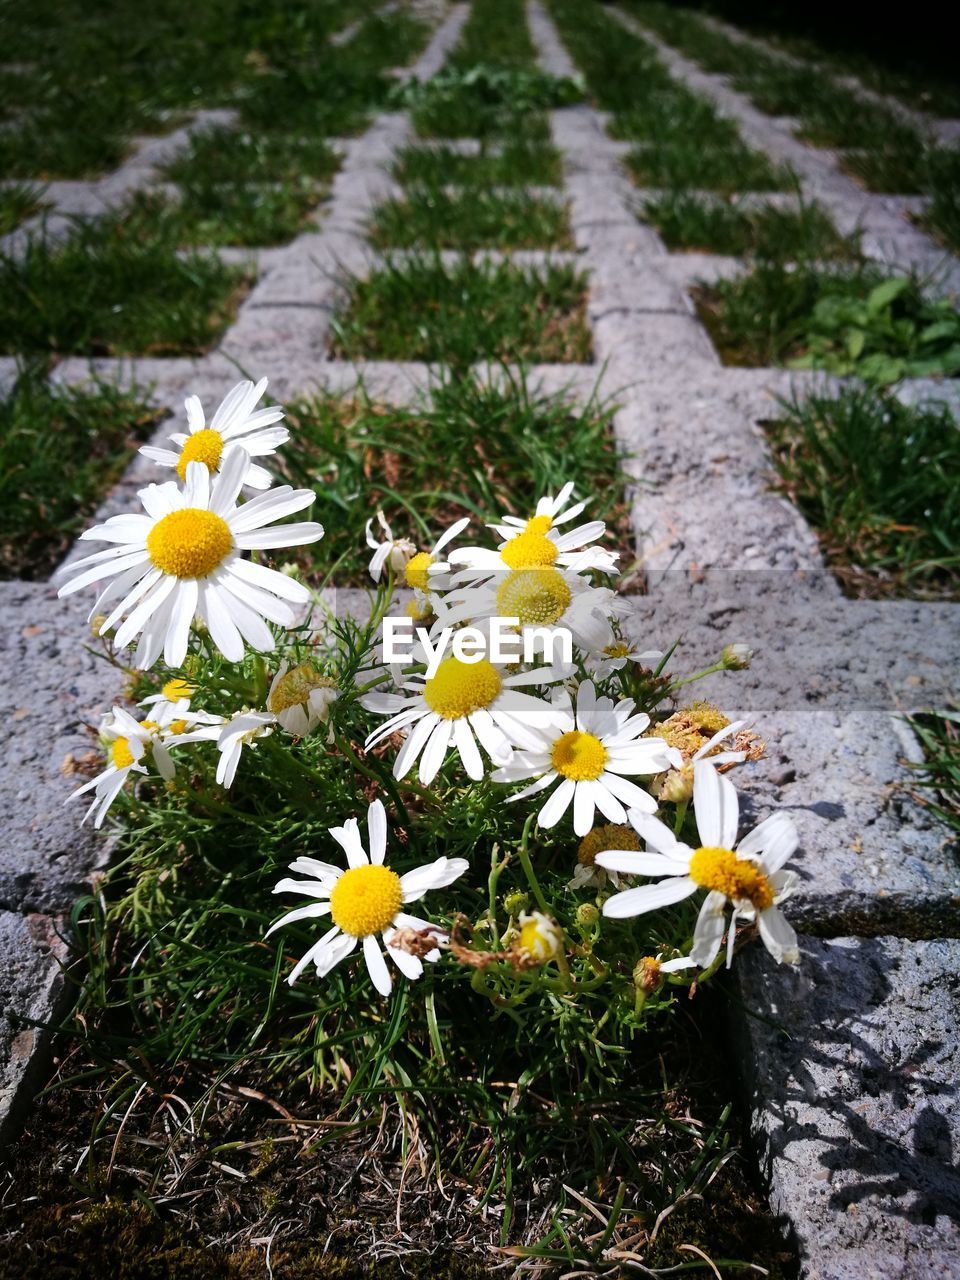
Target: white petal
pixel 376 965
pixel 708 933
pixel 348 837
pixel 216 613
pixel 715 805
pixel 633 863
pixel 178 634
pixel 435 751
pixel 778 936
pixel 648 897
pixel 776 838
pixel 435 875
pixel 310 912
pixel 466 745
pixel 557 805
pixel 377 831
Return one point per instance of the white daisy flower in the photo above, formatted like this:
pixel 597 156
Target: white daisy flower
pixel 749 876
pixel 588 751
pixel 183 560
pixel 463 703
pixel 614 657
pixel 235 422
pixel 427 571
pixel 539 598
pixel 539 938
pixel 364 901
pixel 301 698
pixel 129 743
pixel 395 553
pixel 539 543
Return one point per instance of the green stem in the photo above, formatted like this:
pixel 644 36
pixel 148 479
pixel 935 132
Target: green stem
pixel 528 867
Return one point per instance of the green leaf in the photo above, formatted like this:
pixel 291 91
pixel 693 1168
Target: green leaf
pixel 856 341
pixel 881 368
pixel 885 292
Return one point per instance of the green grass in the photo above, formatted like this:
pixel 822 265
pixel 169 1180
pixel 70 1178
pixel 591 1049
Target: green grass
pixel 880 483
pixel 689 144
pixel 432 218
pixel 727 170
pixel 850 320
pixel 61 450
pixel 334 90
pixel 237 214
pixel 829 114
pixel 490 85
pixel 502 448
pixel 226 156
pixel 424 310
pixel 102 73
pixel 17 203
pixel 106 292
pixel 893 169
pixel 939 776
pixel 516 164
pixel 690 222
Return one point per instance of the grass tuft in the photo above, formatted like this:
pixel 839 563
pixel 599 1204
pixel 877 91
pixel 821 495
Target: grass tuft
pixel 691 222
pixel 467 312
pixel 878 482
pixel 432 218
pixel 516 163
pixel 104 291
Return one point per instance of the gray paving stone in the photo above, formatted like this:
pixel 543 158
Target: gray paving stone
pixel 855 1102
pixel 32 991
pixel 53 690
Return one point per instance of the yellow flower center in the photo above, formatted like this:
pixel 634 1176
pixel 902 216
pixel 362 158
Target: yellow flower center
pixel 529 550
pixel 203 446
pixel 538 597
pixel 706 716
pixel 294 688
pixel 189 543
pixel 580 756
pixel 539 524
pixel 176 689
pixel 177 726
pixel 460 688
pixel 120 753
pixel 418 610
pixel 416 571
pixel 365 899
pixel 617 650
pixel 737 878
pixel 613 835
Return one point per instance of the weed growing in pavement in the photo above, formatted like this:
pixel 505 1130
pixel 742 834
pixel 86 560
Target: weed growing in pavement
pixel 853 320
pixel 938 777
pixel 235 214
pixel 510 1017
pixel 61 449
pixel 942 217
pixel 502 444
pixel 434 218
pixel 229 156
pixel 105 292
pixel 424 309
pixel 741 229
pixel 878 481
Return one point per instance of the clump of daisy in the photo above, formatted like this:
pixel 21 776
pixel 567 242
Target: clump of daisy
pixel 182 559
pixel 748 876
pixel 365 901
pixel 586 754
pixel 236 422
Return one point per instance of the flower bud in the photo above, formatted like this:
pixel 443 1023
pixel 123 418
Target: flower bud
pixel 587 915
pixel 516 902
pixel 646 974
pixel 677 786
pixel 96 623
pixel 736 657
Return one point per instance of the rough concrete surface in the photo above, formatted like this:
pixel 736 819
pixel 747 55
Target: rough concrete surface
pixel 855 1060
